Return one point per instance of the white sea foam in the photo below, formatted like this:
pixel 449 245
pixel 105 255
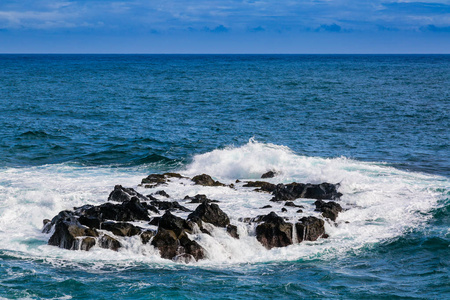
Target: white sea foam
pixel 381 203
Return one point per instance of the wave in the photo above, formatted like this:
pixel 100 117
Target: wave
pixel 381 204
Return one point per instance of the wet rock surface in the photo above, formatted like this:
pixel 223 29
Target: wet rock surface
pixel 329 209
pixel 274 231
pixel 200 198
pixel 310 229
pixel 172 239
pixel 269 174
pixel 210 213
pixel 154 180
pixel 206 180
pixel 292 191
pixel 121 194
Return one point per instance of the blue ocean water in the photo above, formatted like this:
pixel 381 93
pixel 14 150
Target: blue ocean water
pixel 73 126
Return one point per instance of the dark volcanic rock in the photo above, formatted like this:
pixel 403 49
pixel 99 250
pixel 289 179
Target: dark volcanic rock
pixel 162 193
pixel 90 221
pixel 154 221
pixel 296 190
pixel 146 236
pixel 121 194
pixel 310 229
pixel 206 180
pixel 232 231
pixel 67 230
pixel 87 243
pixel 210 213
pixel 172 240
pixel 292 204
pixel 132 210
pixel 154 180
pixel 200 198
pixel 261 185
pixel 266 206
pixel 274 232
pixel 269 174
pixel 121 228
pixel 169 205
pixel 173 223
pixel 108 242
pixel 329 209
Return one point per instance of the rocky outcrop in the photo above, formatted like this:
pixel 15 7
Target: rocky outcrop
pixel 172 239
pixel 200 198
pixel 206 180
pixel 132 210
pixel 233 231
pixel 154 180
pixel 210 213
pixel 310 229
pixel 329 209
pixel 68 231
pixel 169 205
pixel 121 194
pixel 162 193
pixel 109 242
pixel 274 232
pixel 269 174
pixel 110 224
pixel 292 191
pixel 262 186
pixel 121 228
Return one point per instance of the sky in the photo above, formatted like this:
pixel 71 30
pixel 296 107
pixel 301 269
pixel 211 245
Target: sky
pixel 225 26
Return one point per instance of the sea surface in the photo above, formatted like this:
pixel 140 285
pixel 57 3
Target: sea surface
pixel 73 126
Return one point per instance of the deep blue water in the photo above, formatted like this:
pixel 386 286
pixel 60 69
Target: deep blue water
pixel 152 113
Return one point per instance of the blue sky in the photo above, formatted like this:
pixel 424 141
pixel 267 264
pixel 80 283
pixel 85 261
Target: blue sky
pixel 219 26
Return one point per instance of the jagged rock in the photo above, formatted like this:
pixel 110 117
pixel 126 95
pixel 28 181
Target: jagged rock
pixel 310 229
pixel 274 232
pixel 87 243
pixel 176 224
pixel 154 180
pixel 261 185
pixel 232 231
pixel 151 207
pixel 206 180
pixel 108 242
pixel 146 236
pixel 296 190
pixel 162 193
pixel 292 204
pixel 171 246
pixel 200 198
pixel 269 174
pixel 172 240
pixel 329 209
pixel 154 221
pixel 266 206
pixel 283 209
pixel 169 205
pixel 47 226
pixel 132 210
pixel 210 213
pixel 90 221
pixel 120 228
pixel 67 230
pixel 121 194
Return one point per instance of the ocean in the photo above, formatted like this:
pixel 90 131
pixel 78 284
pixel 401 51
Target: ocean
pixel 74 126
